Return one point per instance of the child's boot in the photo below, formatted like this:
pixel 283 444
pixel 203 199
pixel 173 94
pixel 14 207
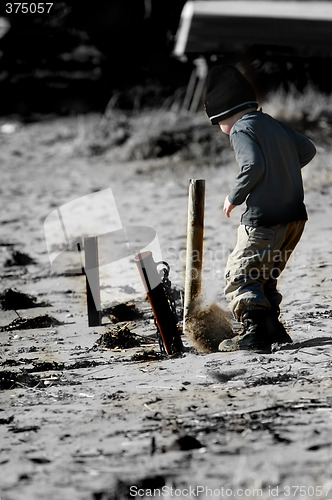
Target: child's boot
pixel 256 334
pixel 279 334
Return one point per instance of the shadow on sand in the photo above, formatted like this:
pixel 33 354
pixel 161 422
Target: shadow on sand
pixel 317 342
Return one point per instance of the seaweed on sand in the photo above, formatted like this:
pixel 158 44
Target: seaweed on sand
pixel 118 336
pixel 43 321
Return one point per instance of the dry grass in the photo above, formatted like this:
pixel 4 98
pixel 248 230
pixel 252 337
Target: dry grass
pixel 309 106
pixel 151 134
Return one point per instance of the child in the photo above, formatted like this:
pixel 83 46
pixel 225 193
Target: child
pixel 270 156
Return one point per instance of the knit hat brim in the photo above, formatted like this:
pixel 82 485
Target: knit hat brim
pixel 227 93
pixel 230 112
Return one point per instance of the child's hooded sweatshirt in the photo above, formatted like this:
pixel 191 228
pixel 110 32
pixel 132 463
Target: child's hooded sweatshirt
pixel 270 155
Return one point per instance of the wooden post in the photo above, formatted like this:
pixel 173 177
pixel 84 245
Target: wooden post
pixel 194 257
pixel 190 90
pixel 92 280
pixel 197 95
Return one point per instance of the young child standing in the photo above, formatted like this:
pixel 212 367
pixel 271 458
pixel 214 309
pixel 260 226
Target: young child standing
pixel 270 156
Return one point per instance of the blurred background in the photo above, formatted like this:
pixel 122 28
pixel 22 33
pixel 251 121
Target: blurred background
pixel 81 55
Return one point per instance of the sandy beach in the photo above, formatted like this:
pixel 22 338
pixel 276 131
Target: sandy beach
pixel 80 421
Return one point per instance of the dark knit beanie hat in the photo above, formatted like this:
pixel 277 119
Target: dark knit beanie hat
pixel 227 93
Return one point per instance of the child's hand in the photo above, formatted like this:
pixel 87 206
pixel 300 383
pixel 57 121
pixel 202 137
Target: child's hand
pixel 228 207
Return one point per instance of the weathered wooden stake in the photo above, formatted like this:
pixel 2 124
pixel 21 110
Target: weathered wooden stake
pixel 194 257
pixel 92 280
pixel 167 323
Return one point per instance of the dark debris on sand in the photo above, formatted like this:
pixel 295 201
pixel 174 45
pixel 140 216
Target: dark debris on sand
pixel 12 299
pixel 123 312
pixel 147 356
pixel 43 321
pixel 10 380
pixel 19 259
pixel 118 336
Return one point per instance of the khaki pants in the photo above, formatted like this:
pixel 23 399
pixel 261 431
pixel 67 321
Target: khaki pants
pixel 252 269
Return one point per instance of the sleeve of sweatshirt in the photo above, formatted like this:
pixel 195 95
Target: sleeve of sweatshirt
pixel 250 160
pixel 305 148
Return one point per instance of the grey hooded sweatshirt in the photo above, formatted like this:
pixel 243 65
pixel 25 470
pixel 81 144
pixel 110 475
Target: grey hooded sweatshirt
pixel 270 155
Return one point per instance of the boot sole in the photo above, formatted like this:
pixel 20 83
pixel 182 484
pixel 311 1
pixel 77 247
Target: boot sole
pixel 231 346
